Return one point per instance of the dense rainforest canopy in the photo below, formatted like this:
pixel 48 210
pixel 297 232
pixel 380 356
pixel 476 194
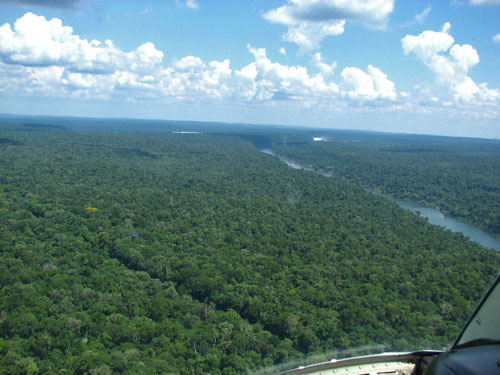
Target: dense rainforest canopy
pixel 154 252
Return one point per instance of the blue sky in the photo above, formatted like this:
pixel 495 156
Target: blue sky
pixel 387 65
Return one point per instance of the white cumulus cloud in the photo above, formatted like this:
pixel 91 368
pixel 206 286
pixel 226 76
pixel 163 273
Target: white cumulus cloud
pixel 450 63
pixel 496 38
pixel 325 68
pixel 429 43
pixel 36 41
pixel 46 58
pixel 50 59
pixel 372 85
pixel 265 80
pixel 192 79
pixel 308 35
pixel 310 21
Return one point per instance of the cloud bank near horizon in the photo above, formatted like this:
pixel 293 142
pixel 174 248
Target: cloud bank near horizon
pixel 48 58
pixel 45 58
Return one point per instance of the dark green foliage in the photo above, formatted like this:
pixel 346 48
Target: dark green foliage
pixel 209 257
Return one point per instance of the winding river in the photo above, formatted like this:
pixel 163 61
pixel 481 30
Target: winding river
pixel 432 215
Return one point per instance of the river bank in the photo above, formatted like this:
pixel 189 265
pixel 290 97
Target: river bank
pixel 433 215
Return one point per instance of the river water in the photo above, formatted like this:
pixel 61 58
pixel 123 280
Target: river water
pixel 432 215
pixel 436 217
